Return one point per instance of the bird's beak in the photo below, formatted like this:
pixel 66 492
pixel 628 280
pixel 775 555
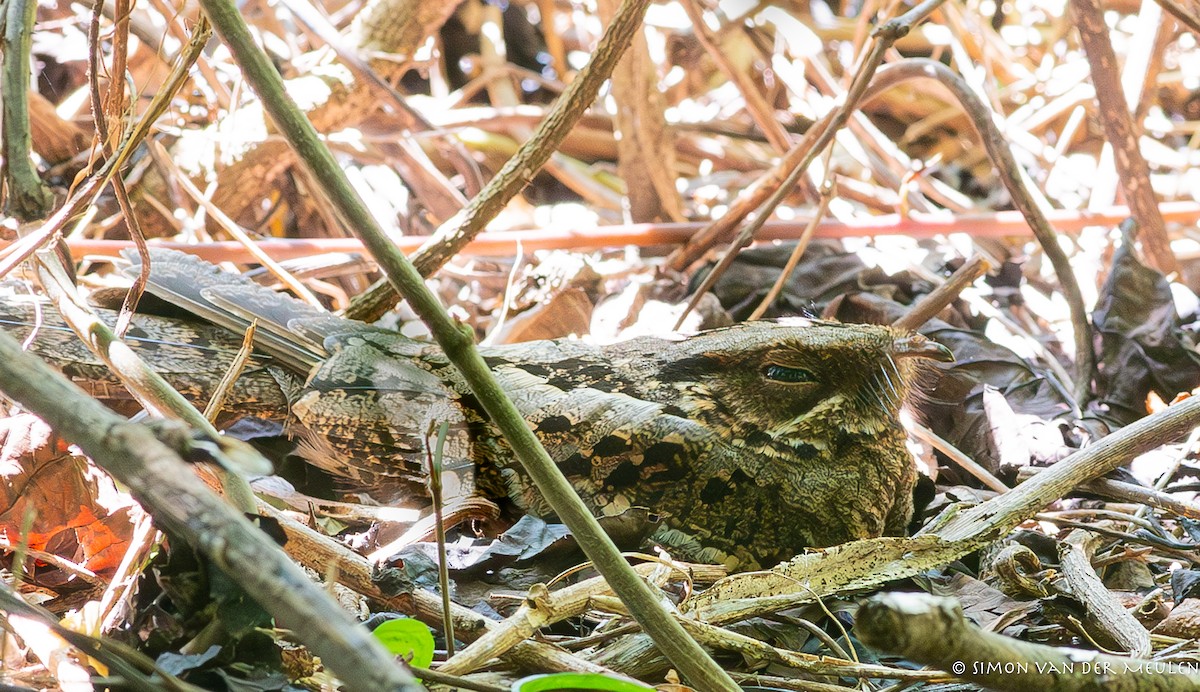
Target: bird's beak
pixel 915 345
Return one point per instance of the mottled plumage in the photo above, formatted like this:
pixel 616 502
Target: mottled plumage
pixel 752 442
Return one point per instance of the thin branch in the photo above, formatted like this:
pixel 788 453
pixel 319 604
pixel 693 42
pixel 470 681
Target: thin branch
pixel 828 192
pixel 456 342
pixel 1014 181
pixel 814 142
pixel 1122 134
pixel 933 631
pixel 83 196
pixel 160 479
pixel 453 235
pixel 1184 15
pixel 1001 224
pixel 929 306
pixel 28 198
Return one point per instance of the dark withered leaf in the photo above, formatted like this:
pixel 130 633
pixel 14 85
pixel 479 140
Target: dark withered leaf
pixel 1190 526
pixel 1141 347
pixel 824 272
pixel 177 664
pixel 523 540
pixel 415 566
pixel 265 682
pixel 1185 583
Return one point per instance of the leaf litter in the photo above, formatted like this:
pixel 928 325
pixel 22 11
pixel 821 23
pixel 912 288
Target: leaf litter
pixel 916 196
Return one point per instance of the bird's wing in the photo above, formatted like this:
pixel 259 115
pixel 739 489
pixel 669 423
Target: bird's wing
pixel 289 329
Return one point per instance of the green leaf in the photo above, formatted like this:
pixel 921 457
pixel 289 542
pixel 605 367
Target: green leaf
pixel 576 681
pixel 407 638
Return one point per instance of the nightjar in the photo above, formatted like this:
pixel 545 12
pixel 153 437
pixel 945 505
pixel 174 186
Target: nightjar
pixel 750 442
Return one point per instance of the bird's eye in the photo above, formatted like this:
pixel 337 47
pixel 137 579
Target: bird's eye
pixel 783 373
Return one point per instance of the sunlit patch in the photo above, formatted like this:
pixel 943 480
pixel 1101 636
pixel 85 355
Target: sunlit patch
pixel 794 322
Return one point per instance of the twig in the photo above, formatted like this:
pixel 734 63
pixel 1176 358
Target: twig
pixel 1144 61
pixel 134 295
pixel 133 665
pixel 434 190
pixel 1185 16
pixel 1164 479
pixel 1114 114
pixel 355 572
pixel 766 192
pixel 453 235
pixel 890 165
pixel 828 192
pixel 756 106
pixel 793 683
pixel 456 342
pixel 177 26
pixel 710 233
pixel 159 479
pixel 1081 582
pixel 116 597
pixel 213 408
pixel 1148 497
pixel 956 457
pixel 114 106
pixel 811 664
pixel 23 249
pixel 28 198
pixel 232 228
pixel 805 151
pixel 933 303
pixel 539 608
pixel 1000 224
pixel 435 494
pixel 761 112
pixel 73 569
pixel 819 137
pixel 933 631
pixel 1014 180
pixel 457 682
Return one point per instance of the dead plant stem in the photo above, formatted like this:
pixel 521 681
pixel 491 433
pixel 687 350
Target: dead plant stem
pixel 456 341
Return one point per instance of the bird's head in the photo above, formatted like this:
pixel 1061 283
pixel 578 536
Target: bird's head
pixel 771 382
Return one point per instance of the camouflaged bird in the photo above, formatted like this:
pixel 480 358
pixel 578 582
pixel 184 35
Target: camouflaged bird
pixel 751 442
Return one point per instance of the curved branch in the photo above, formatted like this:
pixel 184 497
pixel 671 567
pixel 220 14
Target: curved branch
pixel 1010 172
